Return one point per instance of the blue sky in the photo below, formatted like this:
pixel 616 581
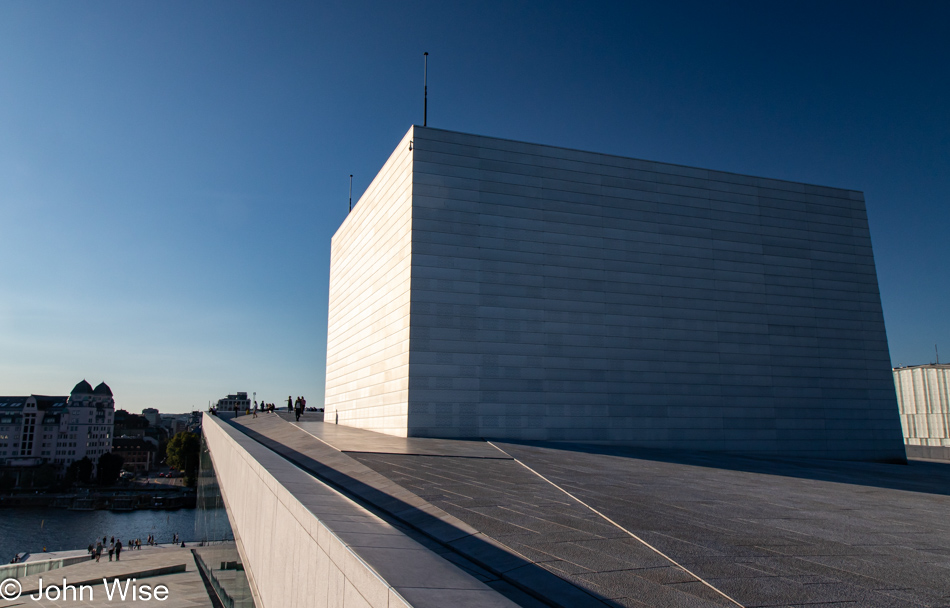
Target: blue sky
pixel 171 172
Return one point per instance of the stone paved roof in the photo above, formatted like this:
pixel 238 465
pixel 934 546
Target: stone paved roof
pixel 626 527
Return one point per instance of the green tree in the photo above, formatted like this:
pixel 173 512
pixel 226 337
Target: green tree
pixel 80 470
pixel 85 469
pixel 44 475
pixel 108 469
pixel 182 453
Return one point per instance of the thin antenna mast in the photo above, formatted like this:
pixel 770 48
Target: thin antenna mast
pixel 425 89
pixel 351 192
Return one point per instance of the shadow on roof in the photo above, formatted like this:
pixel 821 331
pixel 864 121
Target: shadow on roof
pixel 915 476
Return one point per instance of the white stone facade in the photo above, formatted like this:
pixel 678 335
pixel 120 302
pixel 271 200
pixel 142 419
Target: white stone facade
pixel 368 348
pixel 565 295
pixel 923 395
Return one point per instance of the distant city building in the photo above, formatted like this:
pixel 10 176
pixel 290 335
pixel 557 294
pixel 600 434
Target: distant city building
pixel 127 423
pixel 57 430
pixel 177 424
pixel 238 400
pixel 152 423
pixel 174 423
pixel 138 453
pixel 923 397
pixel 134 425
pixel 151 414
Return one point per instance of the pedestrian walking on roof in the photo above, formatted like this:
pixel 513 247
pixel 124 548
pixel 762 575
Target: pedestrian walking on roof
pixel 255 409
pixel 298 408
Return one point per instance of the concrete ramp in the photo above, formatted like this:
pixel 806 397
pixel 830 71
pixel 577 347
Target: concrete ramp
pixel 305 544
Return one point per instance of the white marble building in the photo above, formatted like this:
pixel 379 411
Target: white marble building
pixel 923 395
pixel 489 288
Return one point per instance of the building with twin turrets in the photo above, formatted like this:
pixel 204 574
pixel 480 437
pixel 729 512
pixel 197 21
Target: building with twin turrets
pixel 57 430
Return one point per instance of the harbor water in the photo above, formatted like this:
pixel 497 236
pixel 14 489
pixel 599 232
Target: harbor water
pixel 30 530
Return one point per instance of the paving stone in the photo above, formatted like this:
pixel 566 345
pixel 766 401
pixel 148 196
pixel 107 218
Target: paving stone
pixel 774 532
pixel 185 589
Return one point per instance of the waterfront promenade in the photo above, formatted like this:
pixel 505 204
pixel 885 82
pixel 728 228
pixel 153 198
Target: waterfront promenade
pixel 168 566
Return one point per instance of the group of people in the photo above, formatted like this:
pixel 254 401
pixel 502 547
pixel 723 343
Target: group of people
pixel 299 406
pixel 114 547
pixel 264 407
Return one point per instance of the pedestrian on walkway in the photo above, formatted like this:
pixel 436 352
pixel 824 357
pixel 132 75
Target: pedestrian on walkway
pixel 111 549
pixel 290 408
pixel 118 549
pixel 98 551
pixel 255 409
pixel 298 409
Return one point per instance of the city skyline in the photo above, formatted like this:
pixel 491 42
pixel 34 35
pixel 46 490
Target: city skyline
pixel 170 176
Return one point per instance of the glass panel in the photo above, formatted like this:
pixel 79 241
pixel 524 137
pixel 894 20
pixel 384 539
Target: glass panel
pixel 217 552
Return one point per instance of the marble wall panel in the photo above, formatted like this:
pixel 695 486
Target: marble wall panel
pixel 774 280
pixel 367 376
pixel 526 291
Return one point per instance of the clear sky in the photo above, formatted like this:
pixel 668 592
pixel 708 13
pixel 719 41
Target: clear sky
pixel 171 172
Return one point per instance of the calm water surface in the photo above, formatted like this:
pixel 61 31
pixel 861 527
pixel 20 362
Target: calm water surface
pixel 30 530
